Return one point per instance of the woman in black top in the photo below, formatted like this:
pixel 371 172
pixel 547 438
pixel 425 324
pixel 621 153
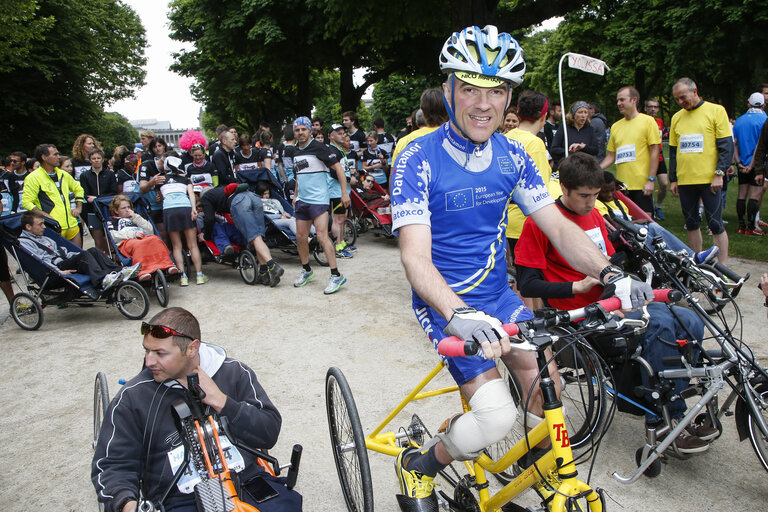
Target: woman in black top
pixel 581 136
pixel 97 181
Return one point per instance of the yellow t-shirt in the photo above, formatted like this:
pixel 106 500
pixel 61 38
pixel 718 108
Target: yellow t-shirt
pixel 404 141
pixel 694 133
pixel 604 208
pixel 535 147
pixel 630 140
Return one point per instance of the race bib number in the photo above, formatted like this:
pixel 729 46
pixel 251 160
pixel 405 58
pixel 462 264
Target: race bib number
pixel 692 143
pixel 7 200
pixel 625 153
pixel 596 236
pixel 191 477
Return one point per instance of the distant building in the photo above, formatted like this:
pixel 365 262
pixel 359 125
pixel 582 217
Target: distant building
pixel 162 130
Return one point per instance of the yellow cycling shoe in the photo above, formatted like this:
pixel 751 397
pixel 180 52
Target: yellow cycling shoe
pixel 417 489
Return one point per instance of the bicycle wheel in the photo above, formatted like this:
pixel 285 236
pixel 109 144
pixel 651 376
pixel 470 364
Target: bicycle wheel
pixel 584 396
pixel 132 301
pixel 26 311
pixel 317 252
pixel 249 269
pixel 348 443
pixel 497 450
pixel 100 404
pixel 756 438
pixel 160 287
pixel 350 232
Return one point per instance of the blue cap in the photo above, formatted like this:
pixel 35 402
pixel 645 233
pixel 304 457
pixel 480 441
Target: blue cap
pixel 303 120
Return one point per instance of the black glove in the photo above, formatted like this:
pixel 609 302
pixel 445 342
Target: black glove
pixel 632 292
pixel 470 324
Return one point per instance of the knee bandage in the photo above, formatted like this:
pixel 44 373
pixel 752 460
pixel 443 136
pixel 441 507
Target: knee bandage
pixel 491 418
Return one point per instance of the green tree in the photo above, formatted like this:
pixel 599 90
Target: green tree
pixel 396 97
pixel 114 130
pixel 81 57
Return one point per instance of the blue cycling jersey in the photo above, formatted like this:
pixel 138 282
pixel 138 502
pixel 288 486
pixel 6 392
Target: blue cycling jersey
pixel 746 130
pixel 462 192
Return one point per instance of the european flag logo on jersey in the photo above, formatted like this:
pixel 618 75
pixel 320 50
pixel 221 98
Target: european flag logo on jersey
pixel 459 199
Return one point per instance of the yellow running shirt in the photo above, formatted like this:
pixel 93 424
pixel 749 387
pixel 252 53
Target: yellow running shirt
pixel 694 134
pixel 535 147
pixel 630 141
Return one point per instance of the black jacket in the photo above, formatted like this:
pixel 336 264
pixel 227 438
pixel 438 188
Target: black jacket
pixel 214 201
pixel 101 184
pixel 139 425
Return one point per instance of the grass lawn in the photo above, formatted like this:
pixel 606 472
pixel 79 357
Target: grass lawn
pixel 743 246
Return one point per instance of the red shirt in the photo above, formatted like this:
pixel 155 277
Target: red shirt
pixel 534 250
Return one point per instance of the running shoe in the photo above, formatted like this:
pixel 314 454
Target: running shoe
pixel 334 283
pixel 742 230
pixel 413 484
pixel 173 271
pixel 184 281
pixel 343 254
pixel 273 275
pixel 686 443
pixel 350 249
pixel 129 272
pixel 110 280
pixel 659 213
pixel 754 232
pixel 304 277
pixel 202 278
pixel 145 277
pixel 707 256
pixel 229 250
pixel 762 224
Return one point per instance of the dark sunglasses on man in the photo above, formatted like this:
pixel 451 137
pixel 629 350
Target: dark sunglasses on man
pixel 161 331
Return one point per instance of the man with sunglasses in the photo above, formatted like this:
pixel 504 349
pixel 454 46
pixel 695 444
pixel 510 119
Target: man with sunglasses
pixel 139 432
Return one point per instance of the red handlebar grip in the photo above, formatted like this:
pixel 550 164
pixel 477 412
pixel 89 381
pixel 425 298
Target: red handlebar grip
pixel 662 295
pixel 452 347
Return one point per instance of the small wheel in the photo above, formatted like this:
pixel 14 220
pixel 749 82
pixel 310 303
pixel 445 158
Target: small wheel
pixel 26 311
pixel 653 470
pixel 132 301
pixel 249 269
pixel 318 253
pixel 350 232
pixel 160 286
pixel 387 229
pixel 756 438
pixel 348 443
pixel 100 404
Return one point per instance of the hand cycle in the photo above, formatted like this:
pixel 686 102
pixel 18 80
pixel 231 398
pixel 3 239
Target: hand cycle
pixel 706 290
pixel 350 445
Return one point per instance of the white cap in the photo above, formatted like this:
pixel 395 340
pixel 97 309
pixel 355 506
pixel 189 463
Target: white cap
pixel 756 99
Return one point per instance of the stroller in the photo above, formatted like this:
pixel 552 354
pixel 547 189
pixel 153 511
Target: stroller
pixel 158 285
pixel 45 285
pixel 375 216
pixel 276 237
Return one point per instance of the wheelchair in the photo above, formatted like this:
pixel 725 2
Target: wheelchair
pixel 220 489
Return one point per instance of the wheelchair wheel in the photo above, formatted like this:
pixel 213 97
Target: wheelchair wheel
pixel 348 443
pixel 26 311
pixel 160 287
pixel 756 438
pixel 317 252
pixel 132 301
pixel 100 404
pixel 249 269
pixel 350 232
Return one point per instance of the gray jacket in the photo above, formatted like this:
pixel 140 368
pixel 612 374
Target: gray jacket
pixel 44 249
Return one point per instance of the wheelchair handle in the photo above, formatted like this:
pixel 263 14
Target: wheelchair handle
pixel 455 347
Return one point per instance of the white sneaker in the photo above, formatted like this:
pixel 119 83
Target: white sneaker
pixel 110 280
pixel 334 284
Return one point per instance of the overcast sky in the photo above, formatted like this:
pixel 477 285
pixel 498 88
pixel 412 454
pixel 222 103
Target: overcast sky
pixel 166 96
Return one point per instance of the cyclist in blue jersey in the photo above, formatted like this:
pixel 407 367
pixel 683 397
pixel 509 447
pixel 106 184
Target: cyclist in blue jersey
pixel 450 191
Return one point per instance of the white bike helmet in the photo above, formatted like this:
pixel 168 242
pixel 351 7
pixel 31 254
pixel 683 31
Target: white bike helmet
pixel 483 57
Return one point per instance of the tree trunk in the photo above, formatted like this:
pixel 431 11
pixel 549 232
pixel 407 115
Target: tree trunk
pixel 303 93
pixel 349 94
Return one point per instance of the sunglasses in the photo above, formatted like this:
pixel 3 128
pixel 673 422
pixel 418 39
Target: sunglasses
pixel 197 146
pixel 160 331
pixel 368 181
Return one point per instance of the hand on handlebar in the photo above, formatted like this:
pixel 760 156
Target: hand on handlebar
pixel 467 324
pixel 633 293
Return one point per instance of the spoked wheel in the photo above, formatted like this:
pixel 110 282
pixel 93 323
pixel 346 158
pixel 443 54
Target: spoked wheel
pixel 350 232
pixel 249 269
pixel 160 287
pixel 100 404
pixel 26 311
pixel 317 252
pixel 348 443
pixel 756 438
pixel 497 450
pixel 132 301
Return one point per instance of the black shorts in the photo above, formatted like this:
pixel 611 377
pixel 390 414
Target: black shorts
pixel 747 178
pixel 337 208
pixel 94 222
pixel 662 168
pixel 156 216
pixel 178 219
pixel 643 201
pixel 307 211
pixel 5 274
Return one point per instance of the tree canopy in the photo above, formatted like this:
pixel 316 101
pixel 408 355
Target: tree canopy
pixel 63 62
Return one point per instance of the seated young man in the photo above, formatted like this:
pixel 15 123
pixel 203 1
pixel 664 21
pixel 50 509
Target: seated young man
pixel 136 239
pixel 139 431
pixel 609 206
pixel 104 272
pixel 543 272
